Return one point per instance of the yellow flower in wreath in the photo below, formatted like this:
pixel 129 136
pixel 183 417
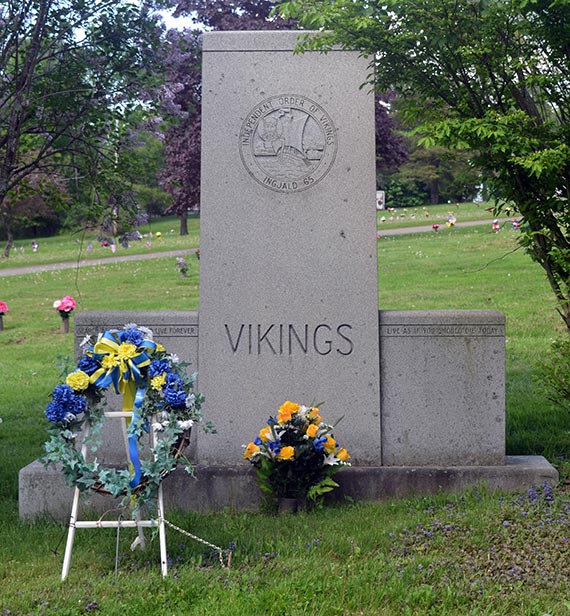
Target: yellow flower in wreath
pixel 265 434
pixel 127 350
pixel 110 361
pixel 286 453
pixel 343 455
pixel 78 380
pixel 158 382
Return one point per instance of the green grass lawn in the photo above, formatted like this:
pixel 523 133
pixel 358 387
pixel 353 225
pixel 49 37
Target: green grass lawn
pixel 436 214
pixel 84 245
pixel 472 553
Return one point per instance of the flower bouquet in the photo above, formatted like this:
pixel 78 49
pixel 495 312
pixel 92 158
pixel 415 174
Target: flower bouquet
pixel 3 310
pixel 154 385
pixel 65 307
pixel 295 455
pixel 182 266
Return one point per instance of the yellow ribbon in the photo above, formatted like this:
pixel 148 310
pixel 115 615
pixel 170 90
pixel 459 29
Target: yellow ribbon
pixel 123 364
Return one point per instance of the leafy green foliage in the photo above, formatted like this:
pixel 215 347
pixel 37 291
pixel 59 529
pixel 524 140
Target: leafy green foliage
pixel 555 374
pixel 317 491
pixel 76 76
pixel 404 192
pixel 491 77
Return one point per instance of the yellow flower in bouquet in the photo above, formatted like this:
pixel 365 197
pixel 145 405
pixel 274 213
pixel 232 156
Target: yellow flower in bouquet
pixel 286 411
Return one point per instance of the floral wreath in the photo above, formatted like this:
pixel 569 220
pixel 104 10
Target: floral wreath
pixel 154 385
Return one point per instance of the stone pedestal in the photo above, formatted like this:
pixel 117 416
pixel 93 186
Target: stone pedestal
pixel 443 387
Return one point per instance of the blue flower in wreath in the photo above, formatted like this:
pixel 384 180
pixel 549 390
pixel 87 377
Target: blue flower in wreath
pixel 65 402
pixel 158 367
pixel 173 381
pixel 176 398
pixel 88 365
pixel 134 336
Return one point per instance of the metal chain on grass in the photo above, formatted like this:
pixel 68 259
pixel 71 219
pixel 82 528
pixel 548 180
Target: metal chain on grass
pixel 219 550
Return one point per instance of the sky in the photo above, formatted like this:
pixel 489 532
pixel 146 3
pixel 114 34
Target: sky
pixel 179 23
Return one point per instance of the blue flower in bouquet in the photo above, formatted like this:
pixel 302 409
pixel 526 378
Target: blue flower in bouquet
pixel 274 446
pixel 319 443
pixel 65 402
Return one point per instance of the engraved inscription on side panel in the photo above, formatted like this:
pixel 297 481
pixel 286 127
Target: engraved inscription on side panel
pixel 288 143
pixel 163 331
pixel 441 330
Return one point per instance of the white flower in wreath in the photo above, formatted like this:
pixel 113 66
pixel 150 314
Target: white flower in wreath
pixel 85 342
pixel 185 425
pixel 190 400
pixel 146 331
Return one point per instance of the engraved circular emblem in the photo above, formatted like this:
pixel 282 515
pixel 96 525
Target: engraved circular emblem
pixel 288 143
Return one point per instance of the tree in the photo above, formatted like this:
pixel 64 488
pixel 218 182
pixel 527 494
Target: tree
pixel 71 72
pixel 444 174
pixel 182 97
pixel 235 14
pixel 391 147
pixel 489 75
pixel 181 101
pixel 32 207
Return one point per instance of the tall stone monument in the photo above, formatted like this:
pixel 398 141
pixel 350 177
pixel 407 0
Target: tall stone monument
pixel 288 282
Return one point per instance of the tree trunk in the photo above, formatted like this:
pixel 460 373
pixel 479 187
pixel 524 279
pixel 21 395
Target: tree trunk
pixel 434 191
pixel 16 116
pixel 9 240
pixel 184 223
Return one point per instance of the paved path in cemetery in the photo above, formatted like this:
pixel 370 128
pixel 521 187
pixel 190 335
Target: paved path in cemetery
pixel 32 269
pixel 385 230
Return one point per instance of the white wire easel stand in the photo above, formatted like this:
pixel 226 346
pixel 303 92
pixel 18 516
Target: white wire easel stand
pixel 139 524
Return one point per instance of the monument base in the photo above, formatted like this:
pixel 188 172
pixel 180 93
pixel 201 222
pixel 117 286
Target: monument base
pixel 43 491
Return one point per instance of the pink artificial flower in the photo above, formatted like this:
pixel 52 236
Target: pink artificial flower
pixel 67 304
pixel 4 308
